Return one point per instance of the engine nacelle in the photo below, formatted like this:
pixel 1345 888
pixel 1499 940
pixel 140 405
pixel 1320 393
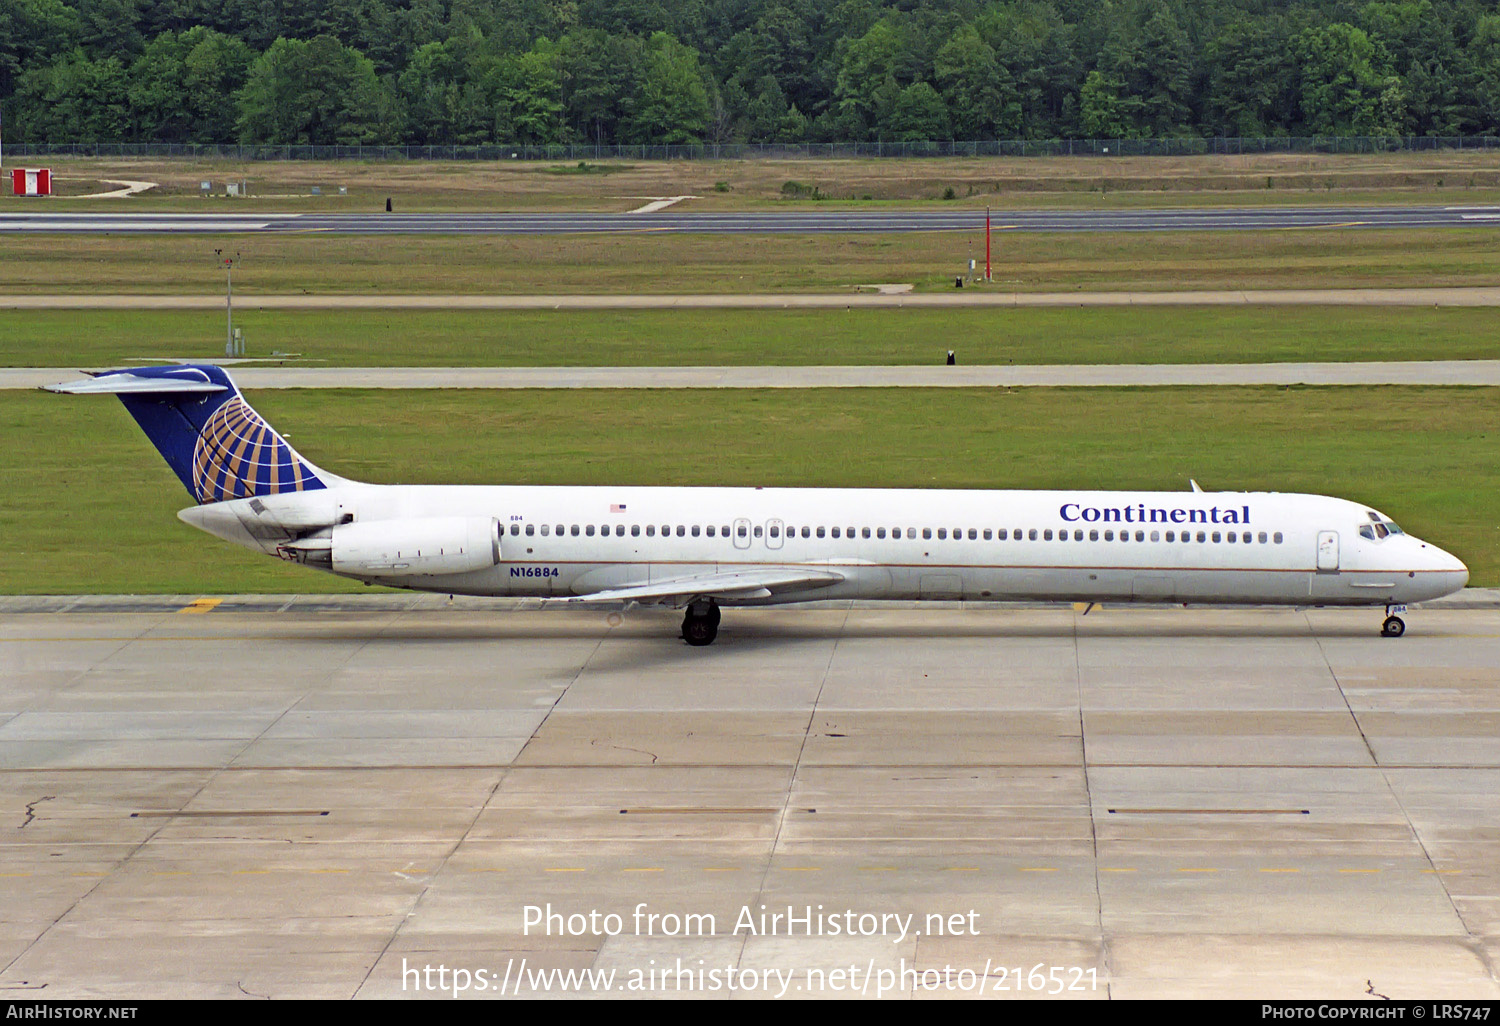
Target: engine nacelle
pixel 427 545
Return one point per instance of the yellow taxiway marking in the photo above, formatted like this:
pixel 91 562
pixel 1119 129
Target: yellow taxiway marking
pixel 565 869
pixel 1278 869
pixel 1198 869
pixel 721 869
pixel 252 872
pixel 642 869
pixel 15 874
pixel 1310 227
pixel 1038 869
pixel 202 605
pixel 962 869
pixel 1118 869
pixel 801 869
pixel 487 869
pixel 1359 871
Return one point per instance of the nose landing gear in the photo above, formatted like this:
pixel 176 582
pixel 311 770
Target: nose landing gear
pixel 700 624
pixel 1394 626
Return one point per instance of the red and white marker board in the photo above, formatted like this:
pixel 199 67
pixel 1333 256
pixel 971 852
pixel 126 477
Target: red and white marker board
pixel 31 181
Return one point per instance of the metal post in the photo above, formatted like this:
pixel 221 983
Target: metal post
pixel 986 243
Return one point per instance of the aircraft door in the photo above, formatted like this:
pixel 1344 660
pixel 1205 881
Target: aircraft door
pixel 1328 552
pixel 774 531
pixel 742 533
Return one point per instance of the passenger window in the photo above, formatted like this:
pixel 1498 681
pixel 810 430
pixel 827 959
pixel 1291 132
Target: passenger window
pixel 1230 538
pixel 681 531
pixel 1094 534
pixel 1047 534
pixel 986 534
pixel 1156 536
pixel 546 530
pixel 1078 534
pixel 724 530
pixel 709 530
pixel 758 531
pixel 864 532
pixel 589 530
pixel 820 533
pixel 1062 535
pixel 1002 534
pixel 1109 535
pixel 619 530
pixel 1216 537
pixel 835 532
pixel 942 534
pixel 880 532
pixel 695 530
pixel 515 529
pixel 1276 537
pixel 530 530
pixel 1031 534
pixel 1171 536
pixel 911 532
pixel 973 534
pixel 574 531
pixel 1140 536
pixel 650 530
pixel 775 531
pixel 927 532
pixel 635 530
pixel 742 531
pixel 1202 537
pixel 1262 537
pixel 807 532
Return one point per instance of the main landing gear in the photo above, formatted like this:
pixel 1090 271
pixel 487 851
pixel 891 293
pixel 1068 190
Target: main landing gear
pixel 1394 626
pixel 700 624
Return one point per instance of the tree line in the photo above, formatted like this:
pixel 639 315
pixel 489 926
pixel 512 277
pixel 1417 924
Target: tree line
pixel 459 72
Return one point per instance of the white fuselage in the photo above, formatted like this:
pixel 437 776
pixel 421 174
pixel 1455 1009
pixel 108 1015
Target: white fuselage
pixel 1213 547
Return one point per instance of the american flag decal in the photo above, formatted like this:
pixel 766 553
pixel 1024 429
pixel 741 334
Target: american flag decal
pixel 617 507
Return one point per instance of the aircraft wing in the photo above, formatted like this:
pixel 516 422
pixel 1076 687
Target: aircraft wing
pixel 728 584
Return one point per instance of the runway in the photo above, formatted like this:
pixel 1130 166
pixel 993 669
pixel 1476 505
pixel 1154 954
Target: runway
pixel 277 796
pixel 1471 373
pixel 975 295
pixel 1200 219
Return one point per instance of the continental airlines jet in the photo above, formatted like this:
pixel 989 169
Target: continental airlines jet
pixel 698 549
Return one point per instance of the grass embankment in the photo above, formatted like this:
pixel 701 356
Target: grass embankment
pixel 1446 176
pixel 1021 335
pixel 89 505
pixel 650 262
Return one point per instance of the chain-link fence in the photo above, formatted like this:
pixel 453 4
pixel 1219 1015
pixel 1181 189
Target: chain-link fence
pixel 779 151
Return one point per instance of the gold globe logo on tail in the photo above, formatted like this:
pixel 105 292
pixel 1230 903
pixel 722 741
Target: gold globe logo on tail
pixel 238 455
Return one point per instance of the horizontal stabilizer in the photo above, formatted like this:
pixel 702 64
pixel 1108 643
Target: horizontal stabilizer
pixel 730 584
pixel 124 383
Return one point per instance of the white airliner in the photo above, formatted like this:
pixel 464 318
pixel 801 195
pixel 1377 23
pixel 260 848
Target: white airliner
pixel 701 548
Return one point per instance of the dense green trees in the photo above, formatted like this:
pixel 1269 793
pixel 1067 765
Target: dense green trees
pixel 670 71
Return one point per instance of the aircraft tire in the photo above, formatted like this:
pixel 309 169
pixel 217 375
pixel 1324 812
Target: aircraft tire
pixel 1393 627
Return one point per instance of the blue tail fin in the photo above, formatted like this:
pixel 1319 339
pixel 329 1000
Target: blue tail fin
pixel 218 446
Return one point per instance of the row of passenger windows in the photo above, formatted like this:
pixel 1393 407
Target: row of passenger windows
pixel 927 533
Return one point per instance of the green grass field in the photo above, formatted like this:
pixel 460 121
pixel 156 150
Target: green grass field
pixel 1020 335
pixel 650 262
pixel 1435 177
pixel 89 506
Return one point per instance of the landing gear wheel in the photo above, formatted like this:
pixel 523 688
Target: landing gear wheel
pixel 699 630
pixel 700 624
pixel 1393 627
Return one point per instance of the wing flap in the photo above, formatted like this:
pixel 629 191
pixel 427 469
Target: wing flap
pixel 729 584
